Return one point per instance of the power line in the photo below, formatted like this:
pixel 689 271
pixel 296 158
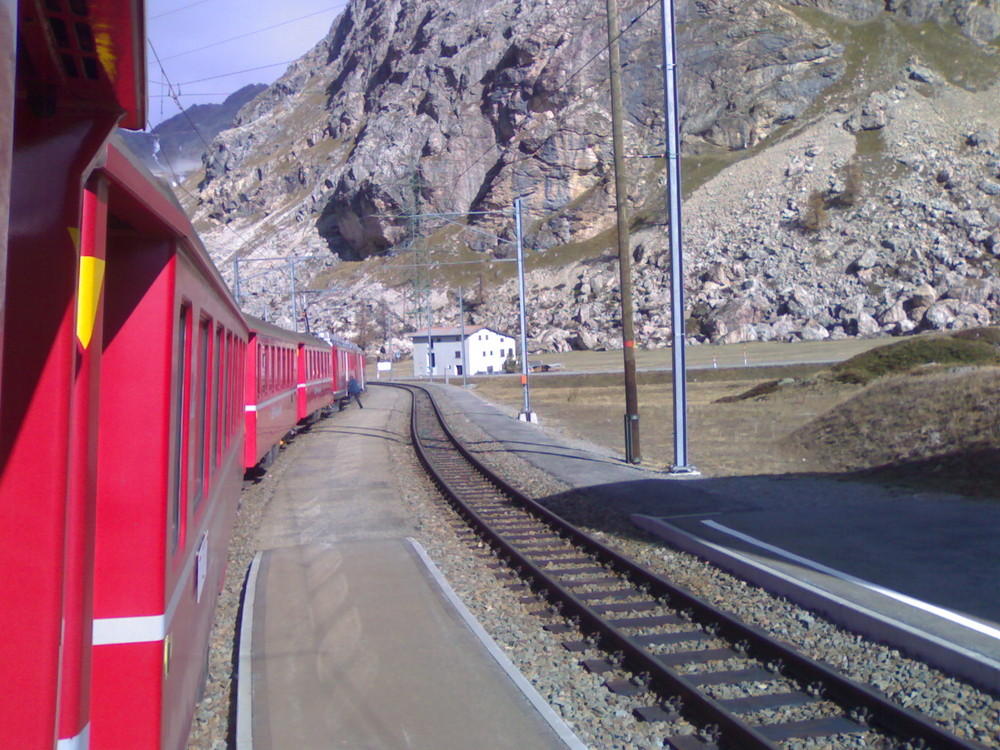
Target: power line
pixel 558 88
pixel 178 182
pixel 177 10
pixel 236 73
pixel 176 97
pixel 252 33
pixel 188 93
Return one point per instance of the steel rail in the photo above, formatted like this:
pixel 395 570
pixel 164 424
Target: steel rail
pixel 879 711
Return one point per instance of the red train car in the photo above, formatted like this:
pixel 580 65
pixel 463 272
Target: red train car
pixel 78 72
pixel 271 389
pixel 315 378
pixel 169 472
pixel 118 333
pixel 290 378
pixel 348 362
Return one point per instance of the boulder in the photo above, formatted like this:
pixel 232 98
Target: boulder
pixel 813 331
pixel 939 316
pixel 584 340
pixel 873 115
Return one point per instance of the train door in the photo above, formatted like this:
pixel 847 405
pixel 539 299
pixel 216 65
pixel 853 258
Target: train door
pixel 140 516
pixel 38 367
pixel 8 66
pixel 78 597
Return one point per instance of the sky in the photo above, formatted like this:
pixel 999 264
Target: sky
pixel 215 40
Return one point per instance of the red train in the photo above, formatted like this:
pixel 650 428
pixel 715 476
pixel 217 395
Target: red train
pixel 290 378
pixel 124 398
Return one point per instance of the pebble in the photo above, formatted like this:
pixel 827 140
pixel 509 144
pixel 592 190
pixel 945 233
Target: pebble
pixel 600 719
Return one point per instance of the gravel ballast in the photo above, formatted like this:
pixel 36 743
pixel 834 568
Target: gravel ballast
pixel 600 718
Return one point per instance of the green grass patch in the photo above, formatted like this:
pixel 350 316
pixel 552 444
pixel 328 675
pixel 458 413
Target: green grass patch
pixel 557 380
pixel 902 357
pixel 758 391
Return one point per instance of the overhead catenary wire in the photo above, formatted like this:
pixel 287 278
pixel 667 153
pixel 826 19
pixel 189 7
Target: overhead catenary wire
pixel 174 94
pixel 178 10
pixel 253 33
pixel 176 97
pixel 566 82
pixel 177 180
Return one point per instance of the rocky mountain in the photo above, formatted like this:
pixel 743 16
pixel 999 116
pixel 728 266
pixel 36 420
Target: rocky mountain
pixel 841 162
pixel 176 145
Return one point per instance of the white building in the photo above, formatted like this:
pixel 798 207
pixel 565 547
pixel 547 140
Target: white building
pixel 485 351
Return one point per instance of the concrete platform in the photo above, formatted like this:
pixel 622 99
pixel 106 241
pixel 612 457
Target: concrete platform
pixel 360 645
pixel 919 571
pixel 350 638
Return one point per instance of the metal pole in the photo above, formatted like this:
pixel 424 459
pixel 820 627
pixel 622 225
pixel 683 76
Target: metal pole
pixel 295 305
pixel 236 281
pixel 673 155
pixel 461 325
pixel 526 414
pixel 633 452
pixel 430 348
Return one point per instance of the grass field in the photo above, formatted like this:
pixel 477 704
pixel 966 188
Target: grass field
pixel 741 437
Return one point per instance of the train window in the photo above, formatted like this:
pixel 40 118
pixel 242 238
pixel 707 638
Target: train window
pixel 213 432
pixel 266 370
pixel 264 374
pixel 178 498
pixel 227 391
pixel 198 418
pixel 230 386
pixel 239 366
pixel 240 375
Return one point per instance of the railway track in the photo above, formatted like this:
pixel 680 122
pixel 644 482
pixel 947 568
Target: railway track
pixel 682 656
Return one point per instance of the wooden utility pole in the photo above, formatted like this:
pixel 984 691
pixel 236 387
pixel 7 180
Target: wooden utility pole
pixel 633 453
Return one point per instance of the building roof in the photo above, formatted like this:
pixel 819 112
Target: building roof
pixel 455 331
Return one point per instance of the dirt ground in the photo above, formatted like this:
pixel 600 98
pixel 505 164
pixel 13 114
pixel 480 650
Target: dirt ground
pixel 936 427
pixel 932 431
pixel 724 439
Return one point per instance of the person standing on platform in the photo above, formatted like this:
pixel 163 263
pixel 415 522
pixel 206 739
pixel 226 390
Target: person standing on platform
pixel 353 389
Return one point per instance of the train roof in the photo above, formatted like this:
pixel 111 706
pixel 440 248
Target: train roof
pixel 262 326
pixel 258 325
pixel 148 203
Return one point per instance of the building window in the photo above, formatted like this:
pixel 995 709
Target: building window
pixel 458 355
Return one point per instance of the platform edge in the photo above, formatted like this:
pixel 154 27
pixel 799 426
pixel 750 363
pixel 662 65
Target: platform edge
pixel 244 684
pixel 544 709
pixel 935 651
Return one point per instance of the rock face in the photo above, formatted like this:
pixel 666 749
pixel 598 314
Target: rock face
pixel 821 204
pixel 176 145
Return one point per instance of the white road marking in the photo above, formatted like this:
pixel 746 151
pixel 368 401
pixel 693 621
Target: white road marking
pixel 947 614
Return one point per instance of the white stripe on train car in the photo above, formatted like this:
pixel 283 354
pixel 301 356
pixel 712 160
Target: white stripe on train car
pixel 80 742
pixel 117 631
pixel 270 401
